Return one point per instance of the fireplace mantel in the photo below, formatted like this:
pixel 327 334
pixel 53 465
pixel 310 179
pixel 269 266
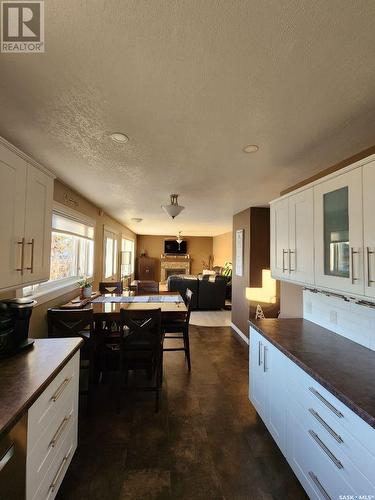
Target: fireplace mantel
pixel 174 264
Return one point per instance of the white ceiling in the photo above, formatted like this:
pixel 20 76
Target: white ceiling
pixel 192 82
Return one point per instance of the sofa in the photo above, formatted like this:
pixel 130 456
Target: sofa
pixel 208 291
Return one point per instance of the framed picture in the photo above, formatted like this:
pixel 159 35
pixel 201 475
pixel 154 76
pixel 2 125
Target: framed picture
pixel 239 252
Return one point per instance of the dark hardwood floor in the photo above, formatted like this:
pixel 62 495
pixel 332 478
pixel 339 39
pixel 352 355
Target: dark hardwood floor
pixel 206 442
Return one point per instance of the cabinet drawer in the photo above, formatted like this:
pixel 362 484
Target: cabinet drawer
pixel 318 475
pixel 48 445
pixel 56 472
pixel 344 458
pixel 51 402
pixel 306 390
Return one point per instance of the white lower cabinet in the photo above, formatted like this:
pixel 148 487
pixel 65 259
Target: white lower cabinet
pixel 330 449
pixel 52 433
pixel 267 385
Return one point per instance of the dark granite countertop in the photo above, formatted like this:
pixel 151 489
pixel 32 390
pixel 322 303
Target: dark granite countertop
pixel 343 367
pixel 24 376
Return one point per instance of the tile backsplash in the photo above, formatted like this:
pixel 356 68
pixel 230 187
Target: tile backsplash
pixel 353 321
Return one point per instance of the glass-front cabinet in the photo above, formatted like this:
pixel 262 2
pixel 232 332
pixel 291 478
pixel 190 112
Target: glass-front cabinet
pixel 339 233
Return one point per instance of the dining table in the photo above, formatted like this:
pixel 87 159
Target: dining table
pixel 106 307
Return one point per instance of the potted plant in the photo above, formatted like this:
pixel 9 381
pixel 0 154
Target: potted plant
pixel 227 271
pixel 85 287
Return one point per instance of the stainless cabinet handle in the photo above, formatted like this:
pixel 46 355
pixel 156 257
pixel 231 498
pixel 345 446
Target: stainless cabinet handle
pixel 259 353
pixel 59 431
pixel 60 389
pixel 265 368
pixel 318 484
pixel 327 403
pixel 326 450
pixel 284 252
pixel 6 457
pixel 352 253
pixel 368 253
pixel 22 243
pixel 290 252
pixel 58 473
pixel 329 429
pixel 31 268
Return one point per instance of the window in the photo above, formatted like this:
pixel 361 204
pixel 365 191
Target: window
pixel 110 255
pixel 72 251
pixel 127 257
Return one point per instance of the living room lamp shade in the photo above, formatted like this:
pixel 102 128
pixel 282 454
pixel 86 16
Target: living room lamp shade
pixel 174 208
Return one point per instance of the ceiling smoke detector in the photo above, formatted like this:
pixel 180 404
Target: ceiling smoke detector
pixel 251 148
pixel 174 208
pixel 119 137
pixel 136 219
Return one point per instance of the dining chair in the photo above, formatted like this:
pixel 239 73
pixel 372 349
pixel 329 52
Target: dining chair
pixel 141 349
pixel 110 287
pixel 179 329
pixel 63 323
pixel 147 286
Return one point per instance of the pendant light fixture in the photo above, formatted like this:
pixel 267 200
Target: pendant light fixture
pixel 174 208
pixel 179 239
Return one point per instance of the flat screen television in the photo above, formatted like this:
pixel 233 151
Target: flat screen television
pixel 172 247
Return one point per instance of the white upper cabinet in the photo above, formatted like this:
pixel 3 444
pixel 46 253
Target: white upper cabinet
pixel 292 237
pixel 339 233
pixel 324 234
pixel 279 238
pixel 368 173
pixel 12 217
pixel 39 196
pixel 26 194
pixel 301 237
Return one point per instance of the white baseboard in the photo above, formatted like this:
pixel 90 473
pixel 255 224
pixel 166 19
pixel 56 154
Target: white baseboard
pixel 238 331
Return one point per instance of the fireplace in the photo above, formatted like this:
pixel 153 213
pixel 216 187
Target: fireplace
pixel 171 272
pixel 170 265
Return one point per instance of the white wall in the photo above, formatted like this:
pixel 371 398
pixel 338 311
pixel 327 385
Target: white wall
pixel 353 321
pixel 291 300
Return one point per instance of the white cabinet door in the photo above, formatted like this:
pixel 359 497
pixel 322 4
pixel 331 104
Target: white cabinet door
pixel 368 172
pixel 339 234
pixel 38 223
pixel 274 369
pixel 256 373
pixel 12 214
pixel 301 237
pixel 280 238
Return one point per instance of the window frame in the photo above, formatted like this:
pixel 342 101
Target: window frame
pixel 50 290
pixel 107 230
pixel 132 259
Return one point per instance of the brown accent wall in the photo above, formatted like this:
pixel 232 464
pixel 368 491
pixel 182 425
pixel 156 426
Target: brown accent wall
pixel 255 222
pixel 199 248
pixel 222 248
pixel 38 325
pixel 240 306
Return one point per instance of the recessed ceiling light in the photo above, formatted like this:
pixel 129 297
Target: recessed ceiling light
pixel 119 137
pixel 136 219
pixel 250 148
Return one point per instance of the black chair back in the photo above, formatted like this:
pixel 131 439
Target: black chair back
pixel 142 335
pixel 69 323
pixel 110 287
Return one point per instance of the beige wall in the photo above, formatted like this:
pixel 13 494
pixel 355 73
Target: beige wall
pixel 222 248
pixel 199 248
pixel 38 326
